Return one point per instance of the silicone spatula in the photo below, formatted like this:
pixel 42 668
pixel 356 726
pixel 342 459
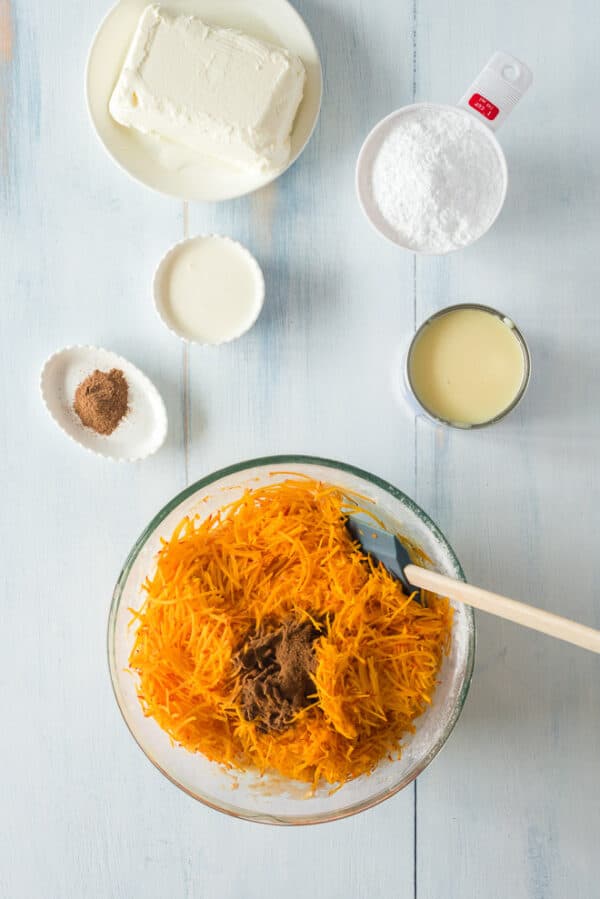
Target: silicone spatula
pixel 388 549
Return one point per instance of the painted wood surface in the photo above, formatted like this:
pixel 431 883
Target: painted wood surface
pixel 513 808
pixel 512 805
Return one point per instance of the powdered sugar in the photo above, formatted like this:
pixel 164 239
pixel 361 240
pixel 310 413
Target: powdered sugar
pixel 438 179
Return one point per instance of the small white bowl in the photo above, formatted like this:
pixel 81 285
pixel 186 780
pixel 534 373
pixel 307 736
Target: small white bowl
pixel 141 432
pixel 161 299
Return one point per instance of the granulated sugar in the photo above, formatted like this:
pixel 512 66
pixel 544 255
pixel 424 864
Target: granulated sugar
pixel 438 179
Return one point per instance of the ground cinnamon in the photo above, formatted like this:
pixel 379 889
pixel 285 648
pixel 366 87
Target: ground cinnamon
pixel 275 673
pixel 101 400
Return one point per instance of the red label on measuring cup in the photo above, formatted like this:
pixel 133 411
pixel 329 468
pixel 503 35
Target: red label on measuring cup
pixel 487 109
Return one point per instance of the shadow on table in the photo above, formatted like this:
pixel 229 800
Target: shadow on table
pixel 533 704
pixel 297 293
pixel 551 204
pixel 360 85
pixel 561 403
pixel 523 761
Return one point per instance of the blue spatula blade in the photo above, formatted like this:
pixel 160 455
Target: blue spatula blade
pixel 383 546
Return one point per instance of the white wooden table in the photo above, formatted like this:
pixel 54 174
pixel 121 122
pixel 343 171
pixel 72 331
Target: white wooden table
pixel 511 808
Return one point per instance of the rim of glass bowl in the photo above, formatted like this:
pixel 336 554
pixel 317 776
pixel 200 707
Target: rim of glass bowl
pixel 265 461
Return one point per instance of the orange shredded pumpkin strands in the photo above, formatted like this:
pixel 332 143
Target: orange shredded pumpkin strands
pixel 283 551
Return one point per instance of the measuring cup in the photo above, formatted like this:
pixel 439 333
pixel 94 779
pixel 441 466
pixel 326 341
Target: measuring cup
pixel 489 100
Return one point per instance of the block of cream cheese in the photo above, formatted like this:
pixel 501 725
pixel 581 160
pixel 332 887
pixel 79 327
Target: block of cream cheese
pixel 216 90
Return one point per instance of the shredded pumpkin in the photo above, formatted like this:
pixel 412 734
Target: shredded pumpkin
pixel 284 551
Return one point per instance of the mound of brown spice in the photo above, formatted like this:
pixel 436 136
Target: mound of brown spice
pixel 101 400
pixel 275 674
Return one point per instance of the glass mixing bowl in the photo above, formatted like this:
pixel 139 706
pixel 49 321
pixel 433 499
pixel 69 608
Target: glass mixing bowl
pixel 270 799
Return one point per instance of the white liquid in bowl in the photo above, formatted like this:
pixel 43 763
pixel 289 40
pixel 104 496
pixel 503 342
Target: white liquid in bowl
pixel 209 289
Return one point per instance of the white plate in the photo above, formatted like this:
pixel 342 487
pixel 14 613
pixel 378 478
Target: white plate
pixel 178 171
pixel 140 433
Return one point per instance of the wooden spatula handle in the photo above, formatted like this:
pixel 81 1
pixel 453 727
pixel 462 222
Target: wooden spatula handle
pixel 503 607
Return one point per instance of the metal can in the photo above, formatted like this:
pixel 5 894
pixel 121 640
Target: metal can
pixel 411 393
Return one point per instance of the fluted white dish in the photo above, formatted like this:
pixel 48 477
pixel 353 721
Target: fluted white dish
pixel 141 432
